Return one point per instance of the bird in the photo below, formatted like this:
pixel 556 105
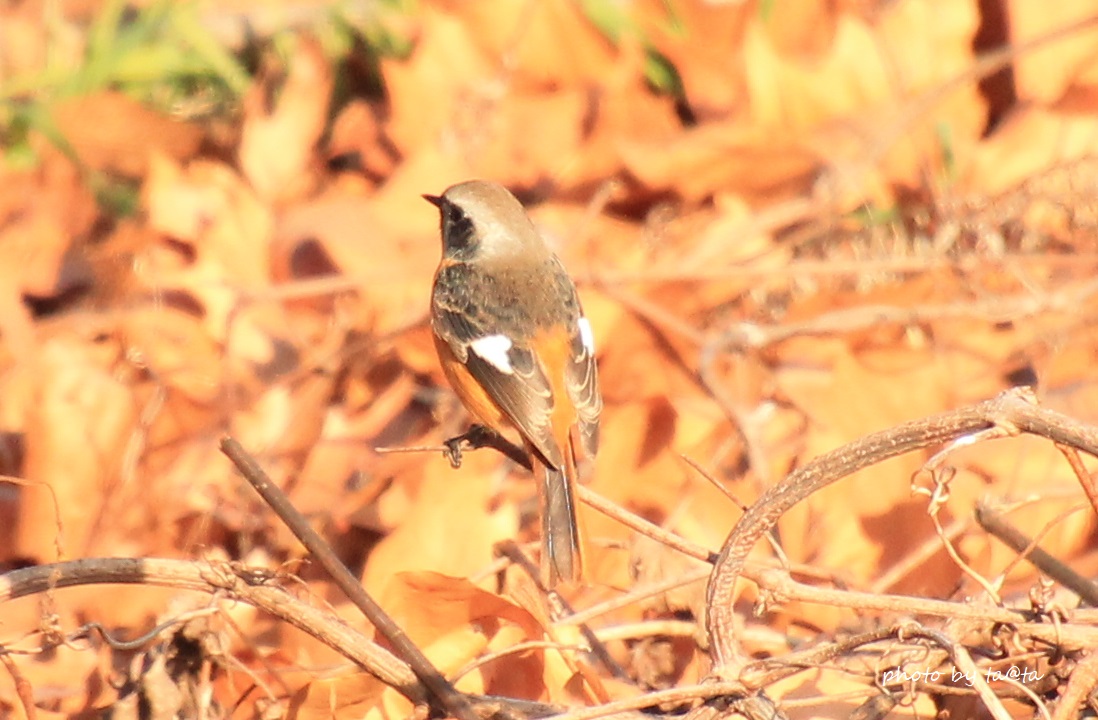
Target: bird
pixel 515 346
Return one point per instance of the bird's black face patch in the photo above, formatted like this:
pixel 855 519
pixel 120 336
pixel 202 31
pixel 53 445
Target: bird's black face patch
pixel 459 238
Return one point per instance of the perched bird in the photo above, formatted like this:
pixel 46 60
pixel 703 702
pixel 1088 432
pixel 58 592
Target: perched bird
pixel 515 346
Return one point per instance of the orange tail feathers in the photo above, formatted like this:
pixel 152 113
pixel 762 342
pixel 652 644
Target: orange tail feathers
pixel 561 558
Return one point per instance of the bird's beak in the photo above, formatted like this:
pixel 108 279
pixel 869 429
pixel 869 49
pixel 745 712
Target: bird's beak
pixel 434 200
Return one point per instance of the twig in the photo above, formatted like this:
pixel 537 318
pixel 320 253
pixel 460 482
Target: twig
pixel 1084 677
pixel 475 438
pixel 563 613
pixel 963 661
pixel 511 650
pixel 1081 473
pixel 642 526
pixel 648 628
pixel 438 687
pixel 23 689
pixel 942 474
pixel 478 438
pixel 771 538
pixel 675 695
pixel 226 579
pixel 991 520
pixel 830 267
pixel 778 582
pixel 1013 409
pixel 637 594
pixel 717 484
pixel 147 637
pixel 743 336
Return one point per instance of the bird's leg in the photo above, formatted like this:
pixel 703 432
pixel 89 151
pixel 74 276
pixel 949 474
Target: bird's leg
pixel 482 436
pixel 472 439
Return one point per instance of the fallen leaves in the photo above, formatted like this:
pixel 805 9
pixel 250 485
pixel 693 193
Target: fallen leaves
pixel 278 143
pixel 713 174
pixel 113 133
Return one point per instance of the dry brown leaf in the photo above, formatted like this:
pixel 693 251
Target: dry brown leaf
pixel 514 132
pixel 1066 371
pixel 636 363
pixel 346 697
pixel 78 428
pixel 194 485
pixel 452 526
pixel 284 422
pixel 622 107
pixel 177 348
pixel 723 157
pixel 653 563
pixel 795 90
pixel 213 213
pixel 399 203
pixel 1043 75
pixel 527 39
pixel 591 245
pixel 526 138
pixel 700 40
pixel 447 73
pixel 343 458
pixel 865 78
pixel 111 132
pixel 44 216
pixel 429 605
pixel 636 469
pixel 358 134
pixel 25 41
pixel 16 323
pixel 38 248
pixel 925 46
pixel 1030 141
pixel 453 621
pixel 208 206
pixel 729 238
pixel 417 352
pixel 278 145
pixel 390 264
pixel 807 73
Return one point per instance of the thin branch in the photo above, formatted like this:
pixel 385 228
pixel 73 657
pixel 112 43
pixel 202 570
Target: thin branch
pixel 1084 678
pixel 1081 474
pixel 991 520
pixel 437 685
pixel 642 526
pixel 637 594
pixel 1014 410
pixel 562 612
pixel 23 689
pixel 743 336
pixel 230 580
pixel 673 696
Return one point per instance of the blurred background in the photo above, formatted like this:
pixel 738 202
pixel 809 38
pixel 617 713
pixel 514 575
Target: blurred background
pixel 792 223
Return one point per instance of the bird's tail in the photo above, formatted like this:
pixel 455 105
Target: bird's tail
pixel 561 560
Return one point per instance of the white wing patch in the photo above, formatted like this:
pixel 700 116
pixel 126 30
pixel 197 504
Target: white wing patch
pixel 586 336
pixel 494 350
